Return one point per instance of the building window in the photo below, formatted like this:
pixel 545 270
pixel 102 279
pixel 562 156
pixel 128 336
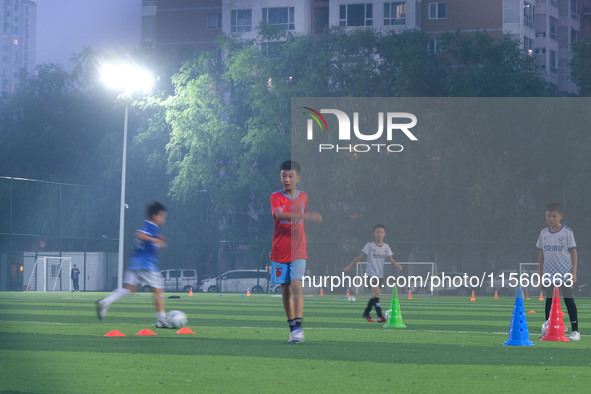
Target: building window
pixel 553 28
pixel 214 21
pixel 241 20
pixel 436 45
pixel 574 9
pixel 574 35
pixel 528 14
pixel 553 62
pixel 356 15
pixel 528 46
pixel 281 17
pixel 395 13
pixel 436 10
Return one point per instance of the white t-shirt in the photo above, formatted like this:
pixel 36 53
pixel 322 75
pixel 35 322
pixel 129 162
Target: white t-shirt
pixel 555 247
pixel 376 255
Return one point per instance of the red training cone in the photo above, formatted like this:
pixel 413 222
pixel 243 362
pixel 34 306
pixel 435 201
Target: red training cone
pixel 114 333
pixel 472 298
pixel 409 294
pixel 146 331
pixel 185 330
pixel 556 328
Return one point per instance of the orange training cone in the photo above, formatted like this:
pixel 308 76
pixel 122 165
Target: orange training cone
pixel 541 296
pixel 409 294
pixel 472 298
pixel 248 292
pixel 321 292
pixel 348 293
pixel 496 295
pixel 556 328
pixel 191 292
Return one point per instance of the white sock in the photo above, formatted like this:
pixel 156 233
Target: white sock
pixel 115 295
pixel 161 316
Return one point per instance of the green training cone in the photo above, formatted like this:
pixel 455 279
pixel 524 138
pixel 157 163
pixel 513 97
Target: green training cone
pixel 395 316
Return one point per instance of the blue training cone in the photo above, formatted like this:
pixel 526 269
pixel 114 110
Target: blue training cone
pixel 518 333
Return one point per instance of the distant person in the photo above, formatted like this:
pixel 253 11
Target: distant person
pixel 375 253
pixel 143 265
pixel 558 257
pixel 289 207
pixel 74 275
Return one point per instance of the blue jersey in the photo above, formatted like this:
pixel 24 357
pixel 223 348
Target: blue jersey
pixel 144 252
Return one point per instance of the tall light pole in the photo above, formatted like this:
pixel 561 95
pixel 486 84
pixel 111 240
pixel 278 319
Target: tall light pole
pixel 127 80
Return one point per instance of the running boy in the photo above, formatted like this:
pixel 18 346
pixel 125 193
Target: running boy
pixel 143 265
pixel 375 253
pixel 558 260
pixel 289 207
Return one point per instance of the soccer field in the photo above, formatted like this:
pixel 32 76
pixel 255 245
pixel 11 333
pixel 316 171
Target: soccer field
pixel 53 342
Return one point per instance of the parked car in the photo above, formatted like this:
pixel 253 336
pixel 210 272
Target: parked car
pixel 236 281
pixel 178 279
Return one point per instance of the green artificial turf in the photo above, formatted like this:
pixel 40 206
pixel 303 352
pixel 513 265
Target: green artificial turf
pixel 53 342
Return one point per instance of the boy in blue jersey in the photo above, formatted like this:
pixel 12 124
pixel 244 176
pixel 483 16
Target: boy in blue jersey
pixel 558 261
pixel 143 265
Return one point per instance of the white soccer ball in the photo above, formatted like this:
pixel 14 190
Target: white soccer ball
pixel 177 319
pixel 388 313
pixel 351 299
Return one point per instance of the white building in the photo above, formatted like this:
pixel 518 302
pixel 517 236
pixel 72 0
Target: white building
pixel 19 19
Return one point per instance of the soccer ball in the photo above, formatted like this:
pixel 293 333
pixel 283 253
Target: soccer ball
pixel 177 319
pixel 351 299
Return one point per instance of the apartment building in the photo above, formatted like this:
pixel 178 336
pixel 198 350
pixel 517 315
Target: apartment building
pixel 544 28
pixel 19 20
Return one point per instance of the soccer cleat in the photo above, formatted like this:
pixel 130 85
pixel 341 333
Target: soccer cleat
pixel 368 318
pixel 575 336
pixel 163 324
pixel 101 310
pixel 296 336
pixel 381 319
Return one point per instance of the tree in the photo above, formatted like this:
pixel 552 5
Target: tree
pixel 581 65
pixel 487 67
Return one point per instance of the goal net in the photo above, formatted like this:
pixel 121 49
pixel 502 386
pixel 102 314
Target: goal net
pixel 414 276
pixel 50 273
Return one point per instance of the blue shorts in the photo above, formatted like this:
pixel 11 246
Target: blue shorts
pixel 284 272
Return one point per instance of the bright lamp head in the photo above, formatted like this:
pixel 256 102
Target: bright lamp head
pixel 127 79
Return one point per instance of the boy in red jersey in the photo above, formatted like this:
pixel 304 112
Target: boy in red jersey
pixel 288 255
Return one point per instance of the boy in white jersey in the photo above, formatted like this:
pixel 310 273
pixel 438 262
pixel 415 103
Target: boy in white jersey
pixel 558 261
pixel 375 253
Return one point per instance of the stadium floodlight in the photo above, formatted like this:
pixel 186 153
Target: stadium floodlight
pixel 126 79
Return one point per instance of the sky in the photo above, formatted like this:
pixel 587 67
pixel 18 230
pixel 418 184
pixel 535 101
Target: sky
pixel 64 27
